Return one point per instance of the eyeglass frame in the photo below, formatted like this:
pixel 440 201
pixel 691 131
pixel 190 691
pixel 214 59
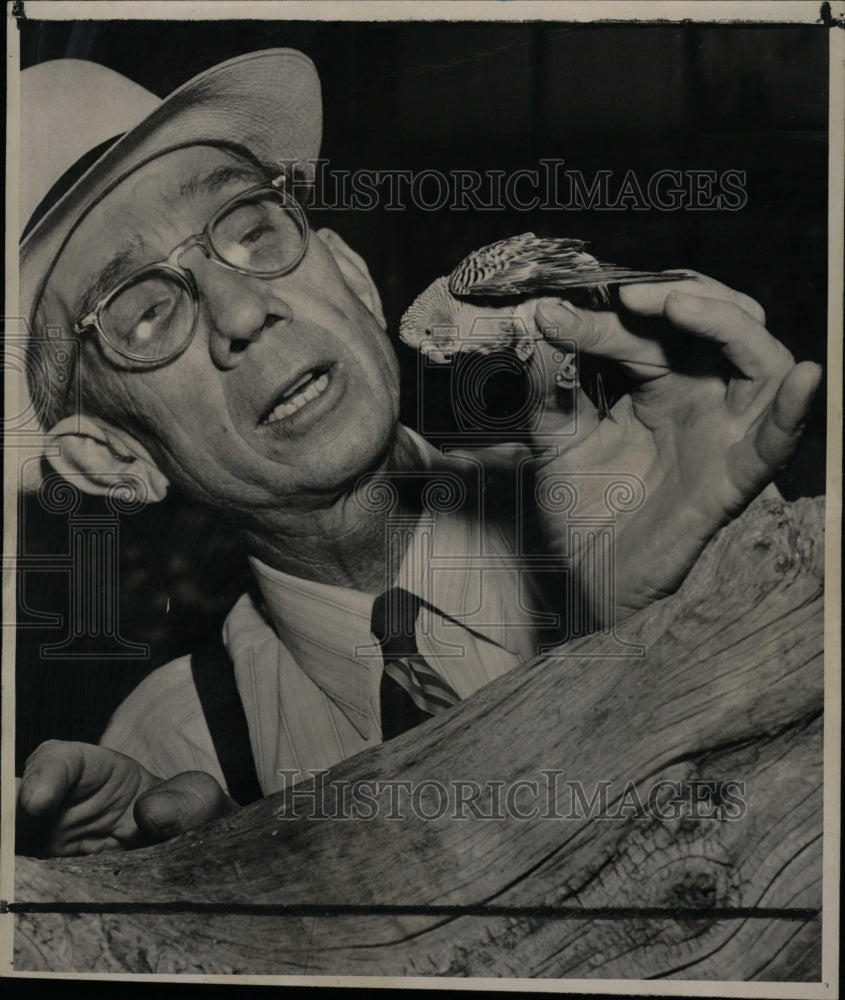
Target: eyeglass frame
pixel 171 264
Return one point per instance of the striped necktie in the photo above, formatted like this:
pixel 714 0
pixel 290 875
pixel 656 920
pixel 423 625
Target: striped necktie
pixel 411 691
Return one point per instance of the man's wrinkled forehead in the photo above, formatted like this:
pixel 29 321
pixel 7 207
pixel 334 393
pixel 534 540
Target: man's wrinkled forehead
pixel 206 182
pixel 117 230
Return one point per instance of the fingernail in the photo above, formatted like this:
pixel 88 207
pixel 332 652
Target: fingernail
pixel 555 315
pixel 568 306
pixel 158 811
pixel 29 781
pixel 686 303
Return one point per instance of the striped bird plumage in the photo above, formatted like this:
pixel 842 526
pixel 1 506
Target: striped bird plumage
pixel 529 265
pixel 487 303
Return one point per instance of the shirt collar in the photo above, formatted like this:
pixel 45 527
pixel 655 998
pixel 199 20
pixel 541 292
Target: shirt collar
pixel 327 628
pixel 458 592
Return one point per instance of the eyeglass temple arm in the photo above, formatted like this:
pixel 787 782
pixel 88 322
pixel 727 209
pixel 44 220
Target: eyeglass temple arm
pixel 297 173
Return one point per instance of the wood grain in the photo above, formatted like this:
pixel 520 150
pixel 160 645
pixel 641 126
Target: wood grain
pixel 730 689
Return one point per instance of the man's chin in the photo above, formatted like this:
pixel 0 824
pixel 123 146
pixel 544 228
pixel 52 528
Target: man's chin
pixel 332 459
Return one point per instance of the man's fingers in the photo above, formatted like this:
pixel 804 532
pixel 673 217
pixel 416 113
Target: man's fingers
pixel 700 306
pixel 51 772
pixel 648 299
pixel 747 344
pixel 593 332
pixel 600 334
pixel 772 441
pixel 777 436
pixel 183 802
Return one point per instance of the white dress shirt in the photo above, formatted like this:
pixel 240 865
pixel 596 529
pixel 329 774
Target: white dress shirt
pixel 308 668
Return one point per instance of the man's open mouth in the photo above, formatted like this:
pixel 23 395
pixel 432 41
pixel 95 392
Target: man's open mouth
pixel 307 387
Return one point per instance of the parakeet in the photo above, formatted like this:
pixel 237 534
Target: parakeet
pixel 530 265
pixel 486 305
pixel 441 325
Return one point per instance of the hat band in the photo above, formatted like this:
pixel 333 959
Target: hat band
pixel 66 182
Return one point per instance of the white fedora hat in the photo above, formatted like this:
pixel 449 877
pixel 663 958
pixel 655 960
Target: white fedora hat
pixel 85 127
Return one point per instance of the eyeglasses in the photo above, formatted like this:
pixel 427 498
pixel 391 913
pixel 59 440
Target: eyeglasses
pixel 151 316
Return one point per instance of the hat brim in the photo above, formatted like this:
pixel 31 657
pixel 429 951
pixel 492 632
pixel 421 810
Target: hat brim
pixel 267 102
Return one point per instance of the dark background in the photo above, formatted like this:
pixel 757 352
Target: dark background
pixel 482 96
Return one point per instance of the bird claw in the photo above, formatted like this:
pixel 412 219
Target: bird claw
pixel 523 348
pixel 566 376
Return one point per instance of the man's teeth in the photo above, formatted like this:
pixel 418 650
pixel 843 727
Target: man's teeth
pixel 310 388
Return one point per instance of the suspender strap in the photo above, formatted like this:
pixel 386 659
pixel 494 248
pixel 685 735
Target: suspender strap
pixel 214 679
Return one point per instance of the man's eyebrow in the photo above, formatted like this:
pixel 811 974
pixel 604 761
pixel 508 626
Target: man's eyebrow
pixel 211 181
pixel 205 182
pixel 118 267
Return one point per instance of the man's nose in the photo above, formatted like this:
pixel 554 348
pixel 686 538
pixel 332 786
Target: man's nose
pixel 237 308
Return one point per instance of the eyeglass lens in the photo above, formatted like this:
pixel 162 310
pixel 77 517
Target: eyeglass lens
pixel 152 317
pixel 258 234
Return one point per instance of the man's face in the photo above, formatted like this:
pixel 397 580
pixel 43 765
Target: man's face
pixel 211 416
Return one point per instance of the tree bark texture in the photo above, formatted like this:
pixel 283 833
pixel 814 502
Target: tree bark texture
pixel 729 690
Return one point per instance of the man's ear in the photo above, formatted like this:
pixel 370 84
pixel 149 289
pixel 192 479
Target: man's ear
pixel 95 457
pixel 355 272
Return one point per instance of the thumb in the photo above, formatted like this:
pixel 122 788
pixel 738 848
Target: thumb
pixel 179 804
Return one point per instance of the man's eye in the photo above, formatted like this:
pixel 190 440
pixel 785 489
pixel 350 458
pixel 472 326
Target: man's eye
pixel 143 313
pixel 157 310
pixel 252 236
pixel 257 235
pixel 148 314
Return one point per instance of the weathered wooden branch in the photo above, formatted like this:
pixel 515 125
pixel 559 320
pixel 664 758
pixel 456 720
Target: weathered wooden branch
pixel 730 689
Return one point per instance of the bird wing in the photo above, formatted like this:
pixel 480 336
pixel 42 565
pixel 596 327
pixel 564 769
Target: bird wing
pixel 528 264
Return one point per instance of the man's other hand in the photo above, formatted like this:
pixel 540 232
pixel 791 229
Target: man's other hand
pixel 77 798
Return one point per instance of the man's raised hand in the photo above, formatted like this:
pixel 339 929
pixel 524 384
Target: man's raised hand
pixel 716 408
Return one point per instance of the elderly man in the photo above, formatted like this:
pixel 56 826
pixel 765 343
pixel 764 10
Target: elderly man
pixel 227 349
